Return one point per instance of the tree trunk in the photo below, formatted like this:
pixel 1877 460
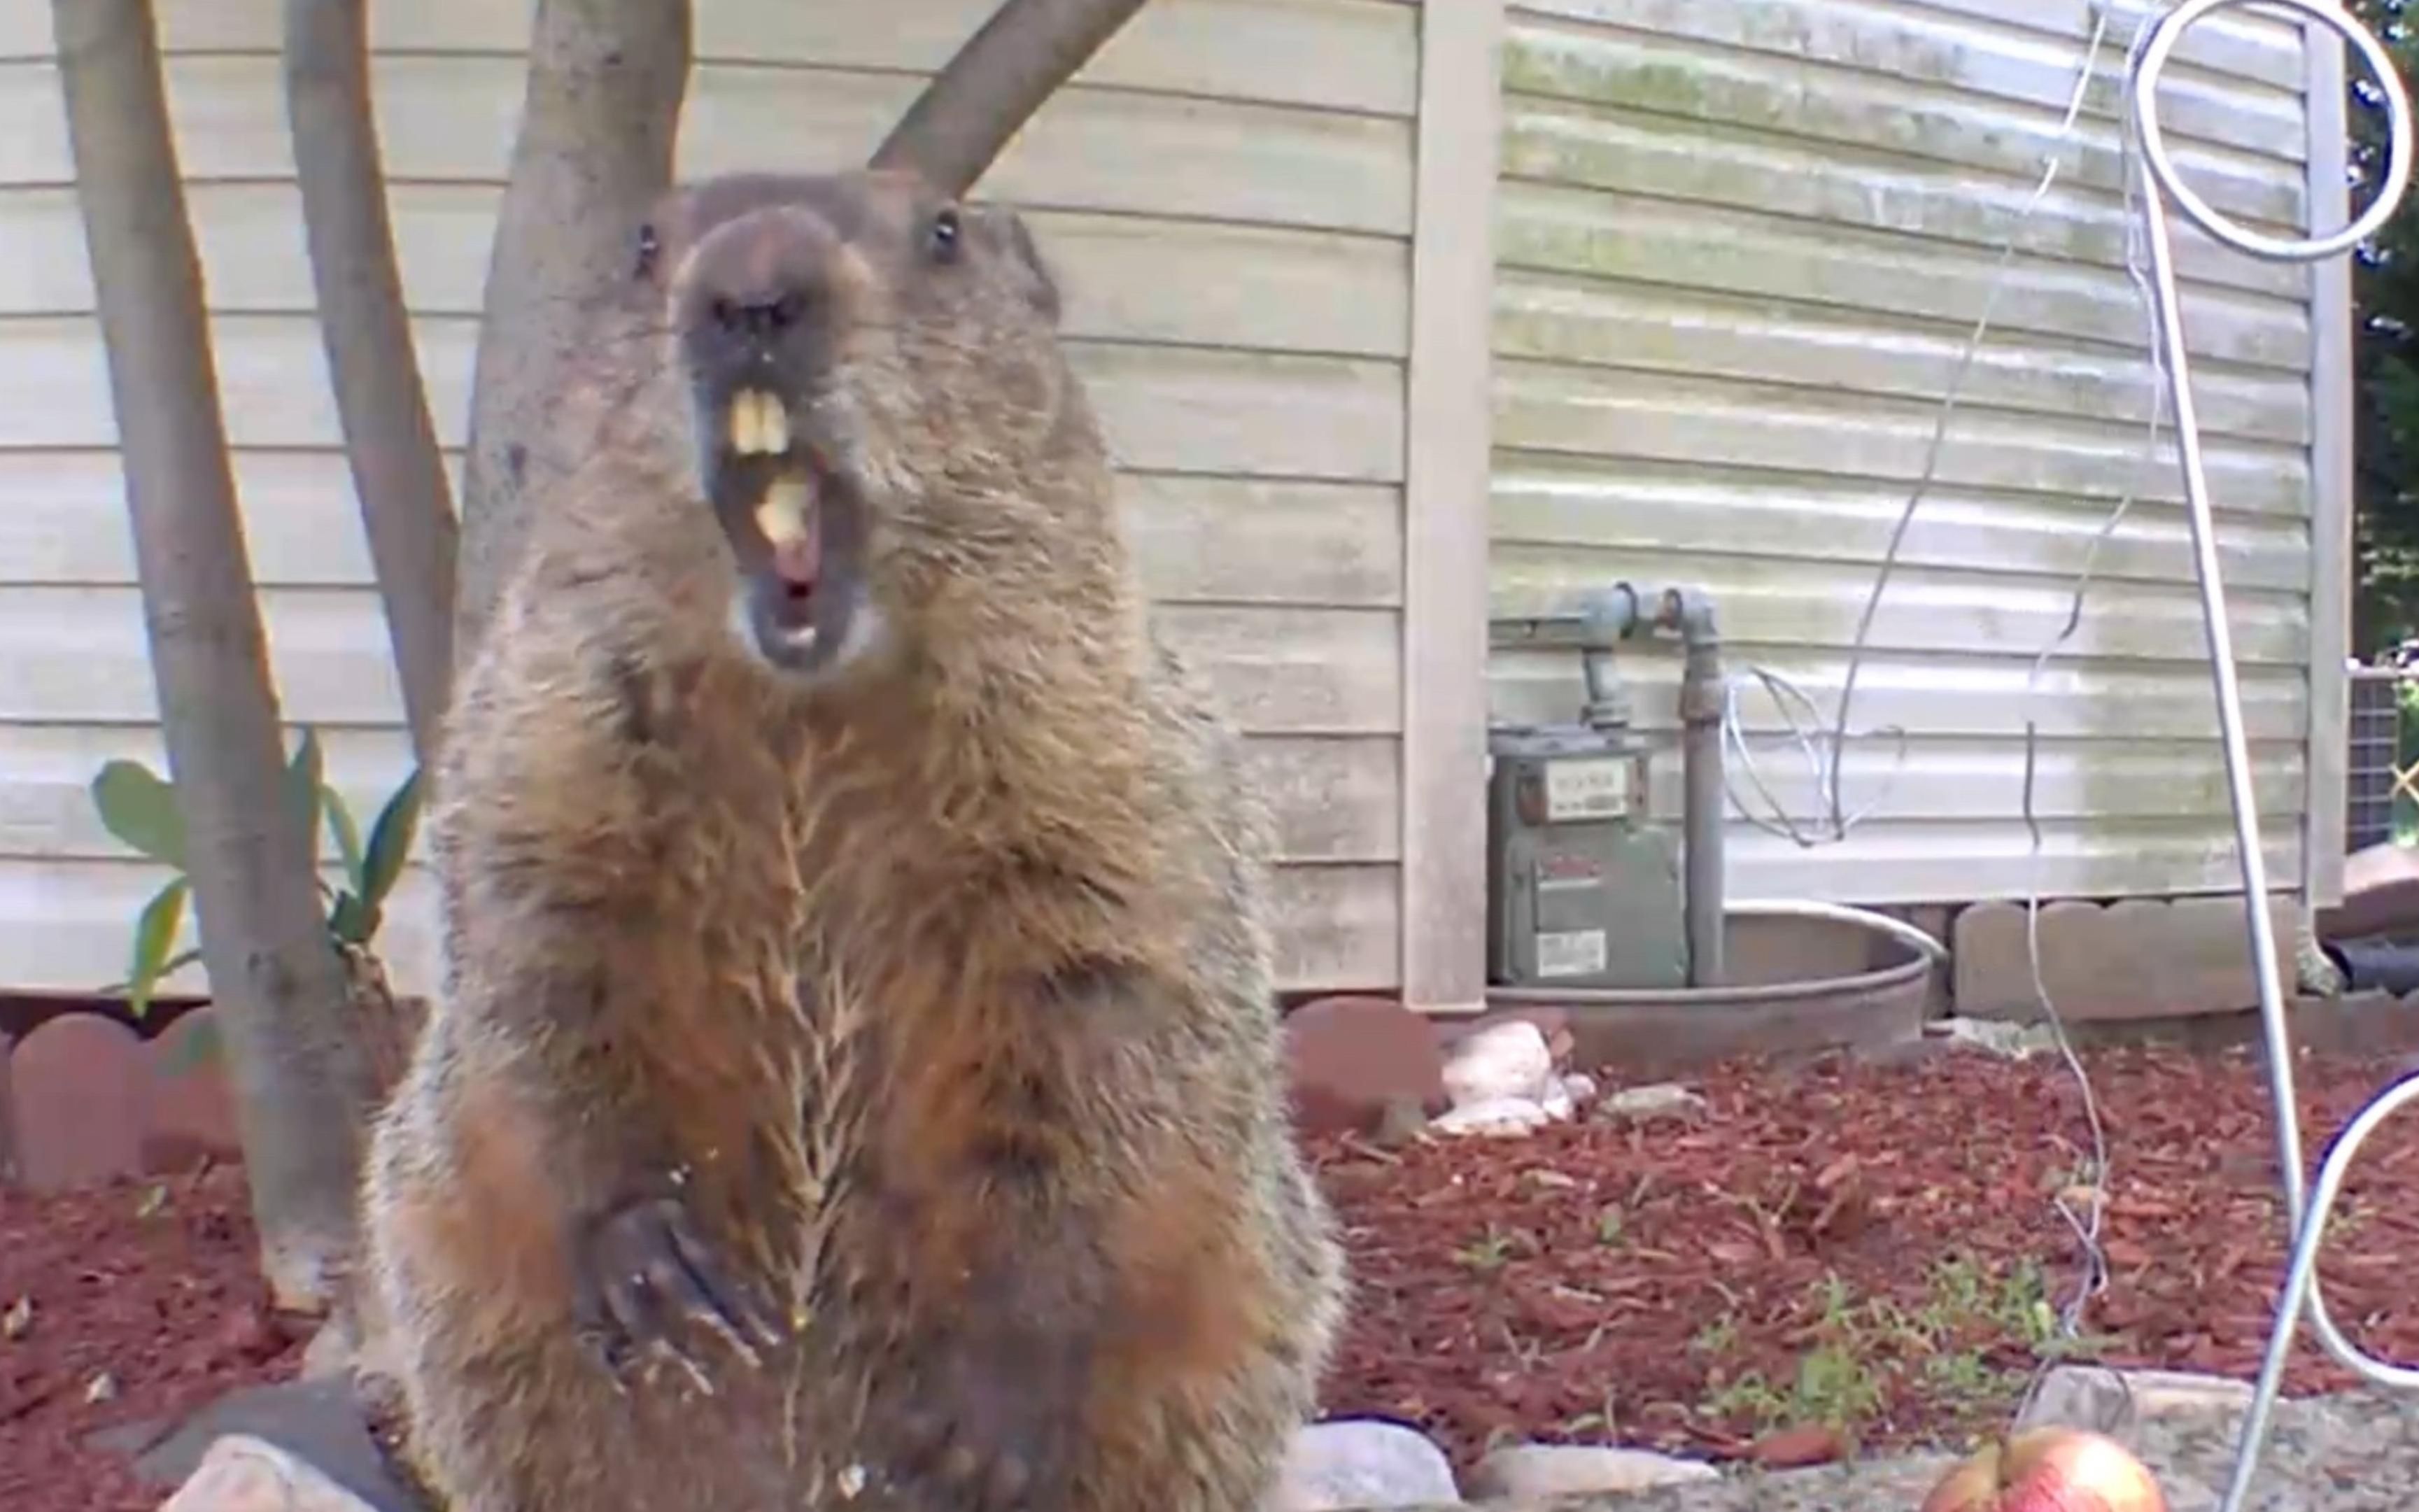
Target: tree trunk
pixel 983 96
pixel 277 983
pixel 599 125
pixel 406 498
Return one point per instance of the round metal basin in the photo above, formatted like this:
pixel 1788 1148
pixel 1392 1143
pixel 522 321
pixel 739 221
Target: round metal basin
pixel 1796 985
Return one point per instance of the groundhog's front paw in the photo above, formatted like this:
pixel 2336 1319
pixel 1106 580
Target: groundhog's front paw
pixel 994 1428
pixel 648 1283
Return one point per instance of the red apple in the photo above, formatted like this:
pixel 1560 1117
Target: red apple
pixel 2049 1469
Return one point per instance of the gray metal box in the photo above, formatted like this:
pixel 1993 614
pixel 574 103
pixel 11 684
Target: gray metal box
pixel 1583 890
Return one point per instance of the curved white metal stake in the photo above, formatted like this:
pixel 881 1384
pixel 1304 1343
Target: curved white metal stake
pixel 2302 1288
pixel 2307 1219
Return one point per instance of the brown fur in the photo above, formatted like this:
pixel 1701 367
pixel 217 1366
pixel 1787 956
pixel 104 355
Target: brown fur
pixel 937 992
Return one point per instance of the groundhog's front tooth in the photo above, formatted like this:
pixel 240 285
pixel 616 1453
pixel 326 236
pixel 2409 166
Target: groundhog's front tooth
pixel 747 423
pixel 759 423
pixel 782 516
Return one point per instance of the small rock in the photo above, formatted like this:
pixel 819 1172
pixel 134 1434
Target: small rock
pixel 1533 1471
pixel 318 1422
pixel 1553 1022
pixel 127 1440
pixel 1664 1100
pixel 1502 1116
pixel 1502 1060
pixel 1351 1058
pixel 1557 1102
pixel 2010 1041
pixel 242 1474
pixel 2108 1401
pixel 1581 1086
pixel 1366 1463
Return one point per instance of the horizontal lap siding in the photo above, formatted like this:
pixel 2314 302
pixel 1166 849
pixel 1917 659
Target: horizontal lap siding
pixel 1234 246
pixel 1741 247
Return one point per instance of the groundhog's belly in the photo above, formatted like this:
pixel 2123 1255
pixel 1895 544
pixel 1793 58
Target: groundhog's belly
pixel 553 1433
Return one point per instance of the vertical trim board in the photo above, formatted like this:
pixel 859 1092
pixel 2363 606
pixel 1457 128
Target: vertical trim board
pixel 1447 457
pixel 2332 397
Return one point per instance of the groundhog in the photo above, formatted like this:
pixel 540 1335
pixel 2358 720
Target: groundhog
pixel 855 1078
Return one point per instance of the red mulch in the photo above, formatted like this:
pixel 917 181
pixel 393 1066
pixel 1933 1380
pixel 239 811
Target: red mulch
pixel 1496 1299
pixel 153 1284
pixel 1851 1237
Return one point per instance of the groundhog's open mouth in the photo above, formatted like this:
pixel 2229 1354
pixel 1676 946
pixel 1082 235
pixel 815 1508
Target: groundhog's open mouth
pixel 784 506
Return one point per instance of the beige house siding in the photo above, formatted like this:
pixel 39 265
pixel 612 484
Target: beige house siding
pixel 1233 240
pixel 1691 279
pixel 1741 246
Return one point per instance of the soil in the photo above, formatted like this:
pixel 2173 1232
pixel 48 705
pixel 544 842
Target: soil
pixel 1834 1258
pixel 129 1302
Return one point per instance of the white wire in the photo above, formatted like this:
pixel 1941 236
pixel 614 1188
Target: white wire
pixel 2088 1227
pixel 1827 770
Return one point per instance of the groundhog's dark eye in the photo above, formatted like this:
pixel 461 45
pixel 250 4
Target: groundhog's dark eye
pixel 649 244
pixel 945 234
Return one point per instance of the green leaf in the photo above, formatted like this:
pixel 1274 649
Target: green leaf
pixel 348 921
pixel 304 781
pixel 197 1048
pixel 155 932
pixel 140 808
pixel 390 843
pixel 349 835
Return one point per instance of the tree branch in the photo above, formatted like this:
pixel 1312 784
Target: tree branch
pixel 966 116
pixel 398 473
pixel 299 1080
pixel 598 127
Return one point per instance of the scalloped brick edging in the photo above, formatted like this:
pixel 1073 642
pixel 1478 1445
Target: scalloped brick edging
pixel 2137 958
pixel 83 1097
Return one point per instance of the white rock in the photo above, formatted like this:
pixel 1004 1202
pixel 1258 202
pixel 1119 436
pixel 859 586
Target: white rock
pixel 1354 1463
pixel 1581 1086
pixel 1557 1102
pixel 242 1474
pixel 1661 1099
pixel 2008 1040
pixel 1506 1059
pixel 1533 1471
pixel 1497 1116
pixel 2107 1401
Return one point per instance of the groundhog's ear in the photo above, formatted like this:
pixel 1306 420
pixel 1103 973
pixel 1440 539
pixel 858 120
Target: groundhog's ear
pixel 1005 230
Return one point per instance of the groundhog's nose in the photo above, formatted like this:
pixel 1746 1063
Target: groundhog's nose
pixel 761 315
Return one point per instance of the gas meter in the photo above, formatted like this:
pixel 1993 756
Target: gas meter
pixel 1584 888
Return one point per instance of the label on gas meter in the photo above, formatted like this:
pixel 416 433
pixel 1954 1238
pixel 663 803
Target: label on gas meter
pixel 1579 953
pixel 1593 788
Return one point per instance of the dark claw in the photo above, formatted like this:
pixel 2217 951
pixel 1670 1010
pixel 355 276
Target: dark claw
pixel 993 1433
pixel 647 1278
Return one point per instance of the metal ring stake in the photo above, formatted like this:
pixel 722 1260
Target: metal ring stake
pixel 2307 1217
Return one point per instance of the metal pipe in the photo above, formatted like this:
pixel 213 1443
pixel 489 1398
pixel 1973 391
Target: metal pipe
pixel 1608 615
pixel 1690 611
